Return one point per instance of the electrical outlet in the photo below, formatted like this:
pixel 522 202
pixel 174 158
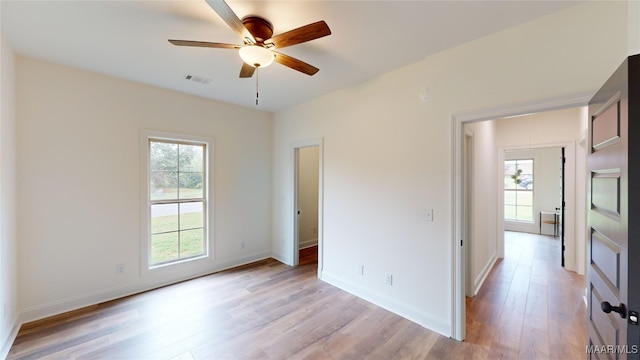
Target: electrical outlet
pixel 314 230
pixel 389 279
pixel 120 269
pixel 428 215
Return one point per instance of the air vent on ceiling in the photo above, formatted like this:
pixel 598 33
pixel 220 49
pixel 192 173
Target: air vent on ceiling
pixel 198 79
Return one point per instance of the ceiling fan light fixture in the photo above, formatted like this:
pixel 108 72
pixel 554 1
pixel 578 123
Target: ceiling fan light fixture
pixel 256 55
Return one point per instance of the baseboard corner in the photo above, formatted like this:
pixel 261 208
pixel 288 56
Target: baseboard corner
pixel 8 342
pixel 480 279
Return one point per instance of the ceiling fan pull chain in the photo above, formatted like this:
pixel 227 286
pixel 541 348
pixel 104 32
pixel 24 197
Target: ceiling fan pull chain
pixel 257 75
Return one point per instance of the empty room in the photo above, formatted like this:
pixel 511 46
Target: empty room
pixel 208 179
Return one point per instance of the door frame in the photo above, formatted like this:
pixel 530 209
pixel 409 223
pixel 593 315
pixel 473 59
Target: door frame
pixel 295 243
pixel 467 204
pixel 458 281
pixel 563 204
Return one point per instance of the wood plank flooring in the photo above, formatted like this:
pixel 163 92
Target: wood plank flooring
pixel 529 306
pixel 268 310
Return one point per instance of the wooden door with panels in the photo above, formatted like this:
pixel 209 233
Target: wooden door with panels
pixel 613 279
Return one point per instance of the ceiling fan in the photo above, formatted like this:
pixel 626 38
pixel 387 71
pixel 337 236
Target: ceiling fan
pixel 259 44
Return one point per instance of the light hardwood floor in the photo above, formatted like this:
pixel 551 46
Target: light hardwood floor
pixel 529 308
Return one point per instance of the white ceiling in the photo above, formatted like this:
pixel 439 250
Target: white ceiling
pixel 128 39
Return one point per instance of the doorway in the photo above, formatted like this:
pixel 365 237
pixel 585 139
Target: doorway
pixel 307 200
pixel 460 247
pixel 541 208
pixel 307 203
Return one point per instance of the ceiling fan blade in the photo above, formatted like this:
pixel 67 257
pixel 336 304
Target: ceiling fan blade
pixel 302 34
pixel 295 64
pixel 225 12
pixel 247 70
pixel 204 44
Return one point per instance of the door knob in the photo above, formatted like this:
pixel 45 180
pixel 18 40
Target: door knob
pixel 620 309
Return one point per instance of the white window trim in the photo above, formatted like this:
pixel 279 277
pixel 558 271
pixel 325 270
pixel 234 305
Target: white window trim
pixel 190 265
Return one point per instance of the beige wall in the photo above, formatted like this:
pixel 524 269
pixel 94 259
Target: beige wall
pixel 308 159
pixel 388 155
pixel 634 27
pixel 482 230
pixel 79 186
pixel 536 130
pixel 8 230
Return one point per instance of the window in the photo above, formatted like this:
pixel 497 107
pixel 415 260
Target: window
pixel 518 190
pixel 177 201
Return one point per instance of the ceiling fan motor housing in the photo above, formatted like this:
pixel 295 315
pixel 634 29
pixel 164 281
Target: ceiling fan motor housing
pixel 260 28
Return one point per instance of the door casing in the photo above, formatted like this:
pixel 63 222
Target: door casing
pixel 468 164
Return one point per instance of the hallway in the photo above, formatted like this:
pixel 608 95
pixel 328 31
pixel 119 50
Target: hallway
pixel 529 306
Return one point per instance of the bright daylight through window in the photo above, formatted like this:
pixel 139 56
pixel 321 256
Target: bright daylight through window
pixel 518 190
pixel 177 201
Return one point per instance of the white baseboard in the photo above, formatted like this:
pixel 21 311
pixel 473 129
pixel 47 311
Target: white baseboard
pixel 78 302
pixel 6 346
pixel 525 228
pixel 479 280
pixel 282 258
pixel 408 312
pixel 307 243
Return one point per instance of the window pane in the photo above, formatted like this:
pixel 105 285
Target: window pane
pixel 524 198
pixel 191 216
pixel 509 183
pixel 164 185
pixel 191 243
pixel 509 167
pixel 525 213
pixel 191 158
pixel 526 166
pixel 163 156
pixel 164 247
pixel 509 171
pixel 192 229
pixel 526 182
pixel 526 177
pixel 191 185
pixel 164 218
pixel 510 197
pixel 510 212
